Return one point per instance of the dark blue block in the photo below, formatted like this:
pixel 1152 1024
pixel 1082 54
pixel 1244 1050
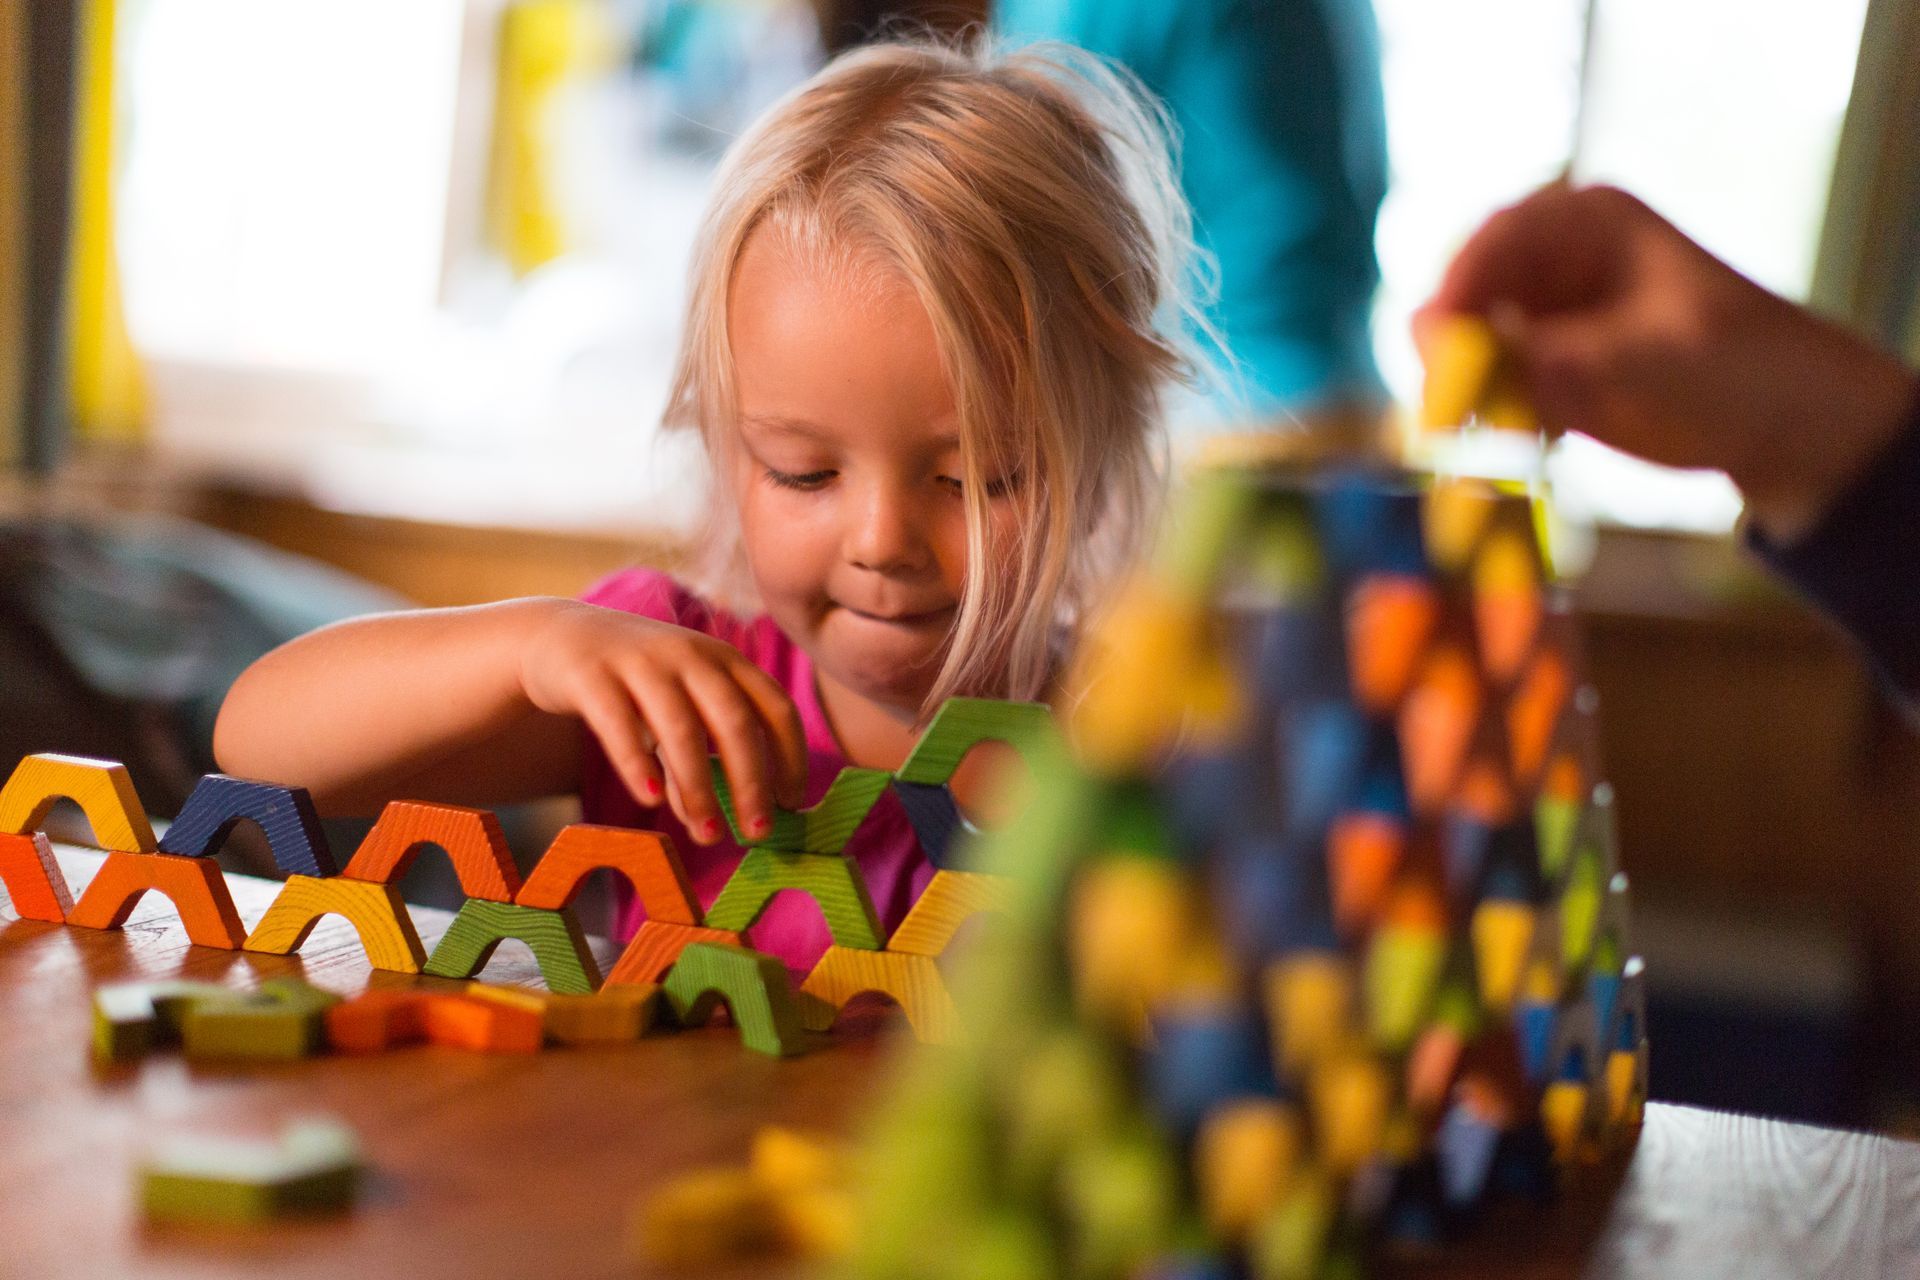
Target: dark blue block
pixel 1536 1023
pixel 1210 798
pixel 935 816
pixel 1271 896
pixel 285 814
pixel 1416 1207
pixel 1370 527
pixel 1383 780
pixel 1466 845
pixel 1202 1058
pixel 1523 1165
pixel 1325 751
pixel 1298 654
pixel 1464 1146
pixel 1604 990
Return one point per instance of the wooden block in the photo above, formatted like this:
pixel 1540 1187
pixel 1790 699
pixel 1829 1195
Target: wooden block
pixel 962 724
pixel 950 899
pixel 1454 515
pixel 1564 1106
pixel 655 947
pixel 558 944
pixel 646 858
pixel 1534 711
pixel 706 1219
pixel 1461 356
pixel 485 1026
pixel 383 1020
pixel 1245 1157
pixel 831 880
pixel 312 1168
pixel 1437 723
pixel 375 910
pixel 1130 926
pixel 101 788
pixel 284 1020
pixel 1433 1066
pixel 132 1019
pixel 911 981
pixel 1310 999
pixel 1390 620
pixel 35 884
pixel 1292 1243
pixel 377 1021
pixel 788 1162
pixel 822 829
pixel 196 887
pixel 613 1015
pixel 472 838
pixel 1502 940
pixel 937 821
pixel 1364 851
pixel 285 815
pixel 751 984
pixel 1349 1097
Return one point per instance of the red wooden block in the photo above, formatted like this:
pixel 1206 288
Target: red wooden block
pixel 656 946
pixel 471 837
pixel 1363 852
pixel 195 885
pixel 1390 618
pixel 1438 722
pixel 34 880
pixel 646 858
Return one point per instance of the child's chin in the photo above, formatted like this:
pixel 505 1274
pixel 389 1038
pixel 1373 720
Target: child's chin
pixel 900 674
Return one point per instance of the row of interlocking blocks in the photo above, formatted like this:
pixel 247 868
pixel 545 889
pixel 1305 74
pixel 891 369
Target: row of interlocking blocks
pixel 803 851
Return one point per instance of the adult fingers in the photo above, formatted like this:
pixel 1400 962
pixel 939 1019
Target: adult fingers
pixel 1560 249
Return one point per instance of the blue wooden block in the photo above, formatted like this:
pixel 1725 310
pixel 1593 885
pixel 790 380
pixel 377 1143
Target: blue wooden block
pixel 1202 1057
pixel 1466 845
pixel 1382 787
pixel 1464 1146
pixel 1299 654
pixel 286 814
pixel 1370 527
pixel 1325 752
pixel 1215 796
pixel 1272 897
pixel 1604 990
pixel 936 818
pixel 1536 1021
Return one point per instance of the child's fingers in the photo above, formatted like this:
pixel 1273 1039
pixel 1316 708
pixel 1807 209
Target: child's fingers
pixel 682 745
pixel 739 736
pixel 784 731
pixel 610 712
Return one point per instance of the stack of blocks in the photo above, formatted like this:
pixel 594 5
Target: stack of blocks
pixel 1317 941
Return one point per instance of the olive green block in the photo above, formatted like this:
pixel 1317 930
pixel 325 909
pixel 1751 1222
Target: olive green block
pixel 754 987
pixel 831 880
pixel 559 946
pixel 826 827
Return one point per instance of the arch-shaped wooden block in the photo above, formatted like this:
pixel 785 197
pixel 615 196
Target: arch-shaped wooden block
pixel 655 948
pixel 829 879
pixel 751 984
pixel 911 981
pixel 286 816
pixel 558 944
pixel 471 837
pixel 950 899
pixel 375 910
pixel 825 827
pixel 646 858
pixel 101 788
pixel 35 883
pixel 962 724
pixel 198 890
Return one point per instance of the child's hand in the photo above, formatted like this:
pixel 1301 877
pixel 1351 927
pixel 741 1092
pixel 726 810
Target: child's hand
pixel 656 694
pixel 1624 329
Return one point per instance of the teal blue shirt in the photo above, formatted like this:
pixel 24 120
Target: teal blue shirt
pixel 1284 161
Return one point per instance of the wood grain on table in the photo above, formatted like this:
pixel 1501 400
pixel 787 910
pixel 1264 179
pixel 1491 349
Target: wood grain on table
pixel 530 1165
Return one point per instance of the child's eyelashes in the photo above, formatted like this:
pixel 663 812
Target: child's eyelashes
pixel 806 481
pixel 811 481
pixel 998 488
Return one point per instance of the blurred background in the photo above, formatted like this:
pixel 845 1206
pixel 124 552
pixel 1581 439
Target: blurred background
pixel 320 306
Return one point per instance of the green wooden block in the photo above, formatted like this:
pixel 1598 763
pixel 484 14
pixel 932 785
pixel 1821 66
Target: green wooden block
pixel 1121 1199
pixel 559 946
pixel 132 1019
pixel 1403 971
pixel 1554 822
pixel 313 1167
pixel 754 987
pixel 962 724
pixel 830 879
pixel 824 828
pixel 283 1020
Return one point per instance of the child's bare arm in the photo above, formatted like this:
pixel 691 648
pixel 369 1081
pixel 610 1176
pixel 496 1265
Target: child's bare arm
pixel 483 705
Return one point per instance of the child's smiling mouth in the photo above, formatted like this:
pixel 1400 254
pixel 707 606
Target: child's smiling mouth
pixel 912 619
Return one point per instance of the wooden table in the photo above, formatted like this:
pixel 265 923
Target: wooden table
pixel 530 1165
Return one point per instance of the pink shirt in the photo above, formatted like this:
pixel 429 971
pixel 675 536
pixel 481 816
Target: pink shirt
pixel 884 847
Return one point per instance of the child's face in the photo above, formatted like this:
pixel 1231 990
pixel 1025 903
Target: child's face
pixel 846 469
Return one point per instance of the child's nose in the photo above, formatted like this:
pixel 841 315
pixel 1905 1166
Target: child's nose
pixel 886 535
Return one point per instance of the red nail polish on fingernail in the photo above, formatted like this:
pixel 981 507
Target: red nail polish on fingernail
pixel 649 790
pixel 709 829
pixel 759 827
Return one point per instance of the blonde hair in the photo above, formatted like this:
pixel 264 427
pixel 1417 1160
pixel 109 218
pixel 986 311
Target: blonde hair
pixel 1029 200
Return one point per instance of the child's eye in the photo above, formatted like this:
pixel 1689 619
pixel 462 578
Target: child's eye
pixel 999 488
pixel 804 480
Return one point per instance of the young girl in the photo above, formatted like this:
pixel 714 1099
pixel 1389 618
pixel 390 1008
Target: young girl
pixel 924 349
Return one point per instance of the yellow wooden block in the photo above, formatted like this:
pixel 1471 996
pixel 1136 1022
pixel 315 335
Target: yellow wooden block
pixel 1167 677
pixel 823 1222
pixel 1130 936
pixel 1453 516
pixel 101 788
pixel 708 1218
pixel 788 1161
pixel 1626 1087
pixel 1349 1096
pixel 1502 938
pixel 1310 1000
pixel 1461 356
pixel 376 911
pixel 1563 1113
pixel 1244 1160
pixel 912 982
pixel 950 899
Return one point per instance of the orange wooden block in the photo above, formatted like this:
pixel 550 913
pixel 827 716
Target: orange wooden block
pixel 102 789
pixel 198 890
pixel 382 1020
pixel 471 837
pixel 1390 618
pixel 489 1026
pixel 1485 794
pixel 950 899
pixel 1437 724
pixel 377 1021
pixel 646 858
pixel 1533 713
pixel 910 981
pixel 1363 852
pixel 656 946
pixel 34 880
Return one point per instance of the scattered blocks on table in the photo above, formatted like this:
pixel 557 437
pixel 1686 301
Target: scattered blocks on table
pixel 753 986
pixel 312 1168
pixel 911 981
pixel 645 858
pixel 285 815
pixel 133 1019
pixel 383 1020
pixel 285 1019
pixel 35 884
pixel 375 910
pixel 559 946
pixel 102 789
pixel 197 889
pixel 655 947
pixel 472 838
pixel 824 828
pixel 830 879
pixel 615 1015
pixel 950 899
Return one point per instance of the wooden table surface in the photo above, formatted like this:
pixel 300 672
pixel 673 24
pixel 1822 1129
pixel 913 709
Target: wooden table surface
pixel 530 1165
